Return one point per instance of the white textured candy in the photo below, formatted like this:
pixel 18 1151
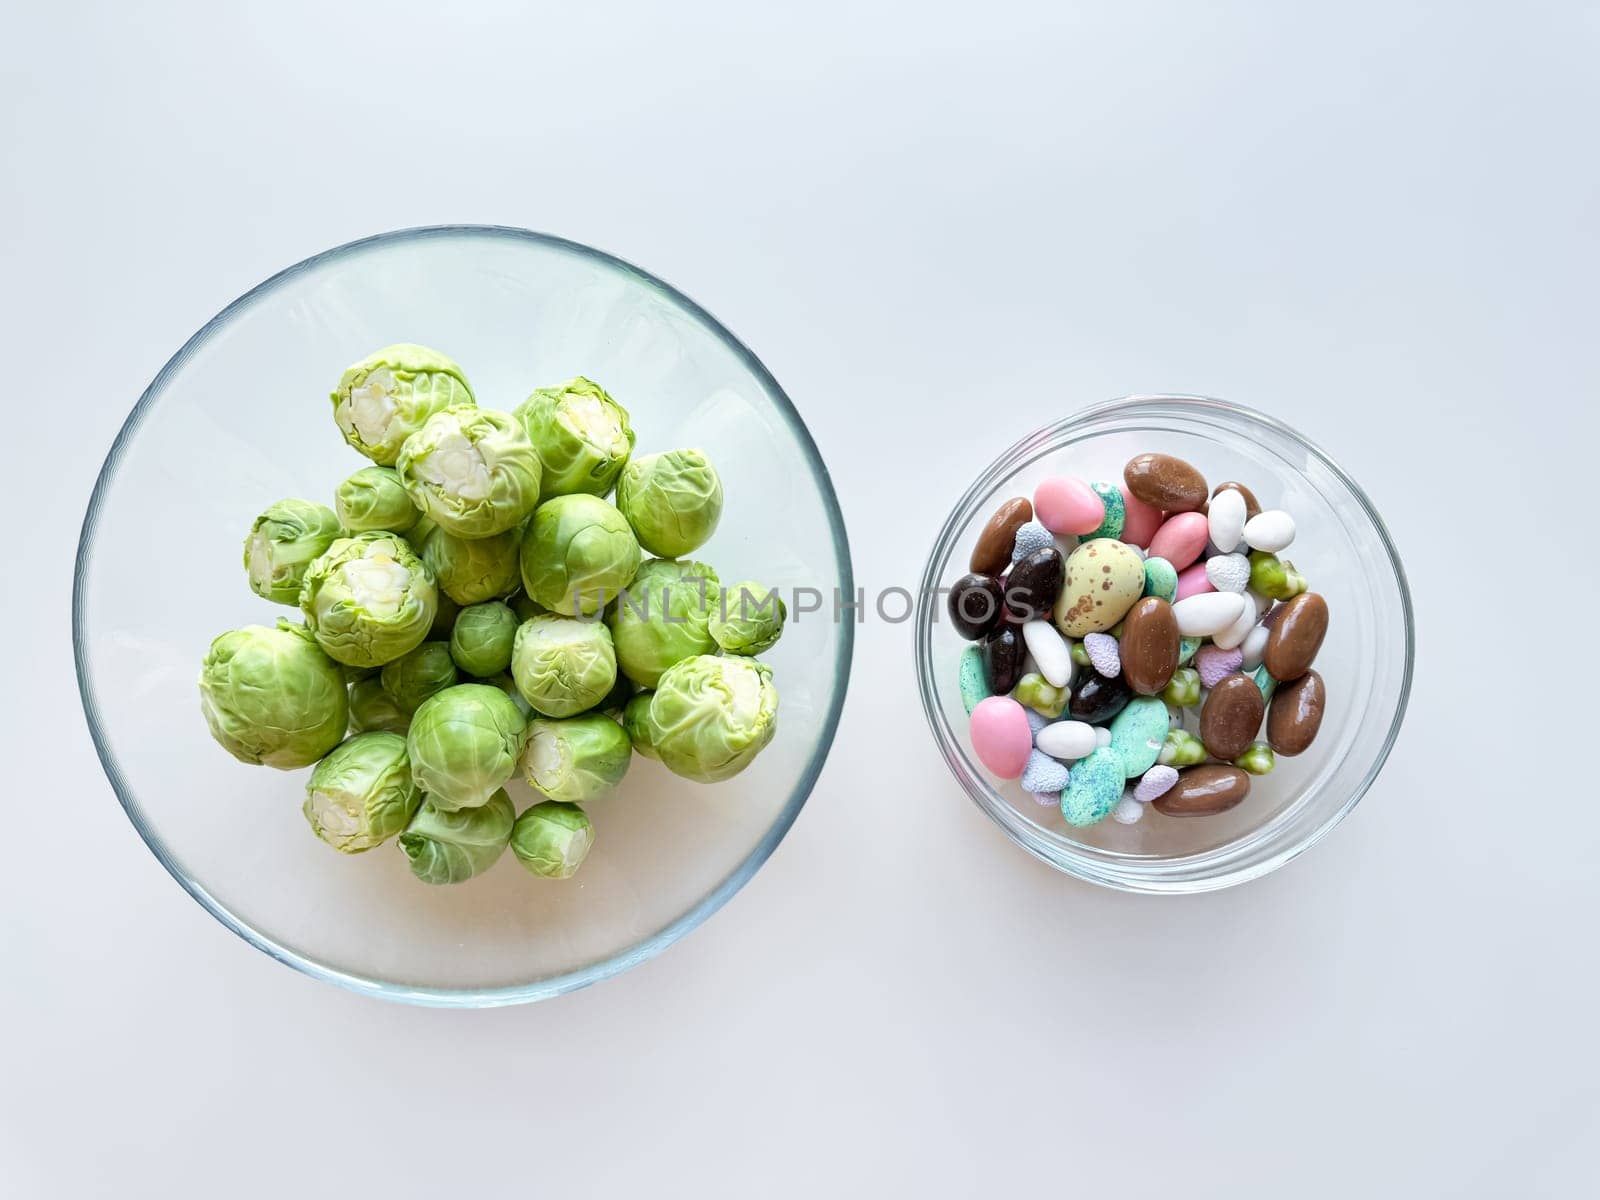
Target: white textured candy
pixel 1049 651
pixel 1067 740
pixel 1105 656
pixel 1102 737
pixel 1128 811
pixel 1155 783
pixel 1036 720
pixel 1226 520
pixel 1207 613
pixel 1254 646
pixel 1228 572
pixel 1235 633
pixel 1270 531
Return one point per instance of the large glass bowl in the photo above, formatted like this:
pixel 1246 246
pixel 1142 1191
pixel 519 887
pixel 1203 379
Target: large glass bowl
pixel 241 417
pixel 1342 548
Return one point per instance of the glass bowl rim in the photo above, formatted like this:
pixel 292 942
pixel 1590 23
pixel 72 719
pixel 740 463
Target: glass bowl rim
pixel 522 993
pixel 1140 877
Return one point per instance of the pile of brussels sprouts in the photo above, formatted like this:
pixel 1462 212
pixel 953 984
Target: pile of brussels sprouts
pixel 474 606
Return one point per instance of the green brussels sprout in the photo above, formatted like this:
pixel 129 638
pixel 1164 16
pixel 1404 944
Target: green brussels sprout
pixel 577 554
pixel 418 674
pixel 661 617
pixel 582 435
pixel 390 394
pixel 482 639
pixel 282 544
pixel 464 744
pixel 636 723
pixel 374 498
pixel 563 665
pixel 418 533
pixel 357 674
pixel 577 759
pixel 673 501
pixel 272 696
pixel 552 839
pixel 369 599
pixel 362 792
pixel 471 470
pixel 473 570
pixel 711 716
pixel 373 708
pixel 525 606
pixel 451 846
pixel 748 619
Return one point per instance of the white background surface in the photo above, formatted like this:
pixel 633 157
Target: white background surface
pixel 937 229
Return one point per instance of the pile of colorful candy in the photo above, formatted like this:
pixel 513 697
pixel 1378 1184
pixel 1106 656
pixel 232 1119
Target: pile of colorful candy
pixel 1135 611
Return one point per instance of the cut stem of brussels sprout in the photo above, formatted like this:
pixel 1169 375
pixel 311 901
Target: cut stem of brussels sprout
pixel 282 544
pixel 390 394
pixel 582 435
pixel 576 760
pixel 472 471
pixel 369 599
pixel 362 793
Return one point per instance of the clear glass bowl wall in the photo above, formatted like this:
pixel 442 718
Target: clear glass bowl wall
pixel 1342 548
pixel 240 417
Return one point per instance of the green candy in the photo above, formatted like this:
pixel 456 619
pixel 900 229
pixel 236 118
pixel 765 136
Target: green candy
pixel 1116 511
pixel 1138 734
pixel 1093 788
pixel 1160 579
pixel 972 681
pixel 1186 650
pixel 1258 759
pixel 1265 682
pixel 1183 691
pixel 1080 655
pixel 1181 750
pixel 1039 694
pixel 1275 577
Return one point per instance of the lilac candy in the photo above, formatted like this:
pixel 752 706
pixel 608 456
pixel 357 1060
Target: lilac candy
pixel 1155 783
pixel 1104 654
pixel 1216 664
pixel 1043 774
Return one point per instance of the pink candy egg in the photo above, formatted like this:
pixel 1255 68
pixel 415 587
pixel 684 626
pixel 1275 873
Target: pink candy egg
pixel 1140 520
pixel 1063 504
pixel 1000 736
pixel 1181 539
pixel 1194 580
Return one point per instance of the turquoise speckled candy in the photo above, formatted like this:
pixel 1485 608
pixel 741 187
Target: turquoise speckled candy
pixel 1160 579
pixel 1265 682
pixel 1116 510
pixel 1094 788
pixel 974 684
pixel 1187 648
pixel 1138 733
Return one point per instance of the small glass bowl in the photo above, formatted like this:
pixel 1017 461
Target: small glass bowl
pixel 240 417
pixel 1340 545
